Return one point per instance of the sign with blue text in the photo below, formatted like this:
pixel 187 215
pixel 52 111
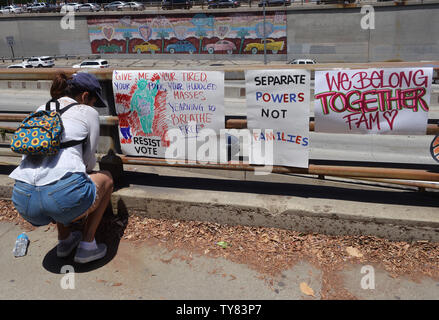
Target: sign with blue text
pixel 278 104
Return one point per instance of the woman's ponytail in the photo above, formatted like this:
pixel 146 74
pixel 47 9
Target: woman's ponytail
pixel 59 86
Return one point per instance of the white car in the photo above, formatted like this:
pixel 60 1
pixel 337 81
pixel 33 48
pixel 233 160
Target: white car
pixel 36 7
pixel 40 62
pixel 23 64
pixel 88 7
pixel 69 7
pixel 302 61
pixel 133 6
pixel 115 5
pixel 94 64
pixel 11 9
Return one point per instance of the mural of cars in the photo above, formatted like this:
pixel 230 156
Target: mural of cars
pixel 109 48
pixel 272 45
pixel 181 46
pixel 222 45
pixel 145 47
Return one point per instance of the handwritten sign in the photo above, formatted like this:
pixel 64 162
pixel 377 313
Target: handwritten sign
pixel 149 103
pixel 279 100
pixel 373 101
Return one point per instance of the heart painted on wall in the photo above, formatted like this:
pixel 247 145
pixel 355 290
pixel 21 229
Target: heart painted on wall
pixel 145 32
pixel 222 31
pixel 180 32
pixel 269 28
pixel 390 117
pixel 108 32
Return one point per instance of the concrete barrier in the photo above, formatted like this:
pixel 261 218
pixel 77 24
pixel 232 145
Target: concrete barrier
pixel 28 85
pixel 325 33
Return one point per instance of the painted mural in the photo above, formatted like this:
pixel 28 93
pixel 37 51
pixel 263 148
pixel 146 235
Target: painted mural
pixel 240 33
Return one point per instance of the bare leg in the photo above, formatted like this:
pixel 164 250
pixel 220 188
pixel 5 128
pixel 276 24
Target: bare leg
pixel 104 186
pixel 63 231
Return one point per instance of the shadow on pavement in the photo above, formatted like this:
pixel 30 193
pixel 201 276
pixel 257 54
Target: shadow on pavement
pixel 110 231
pixel 358 192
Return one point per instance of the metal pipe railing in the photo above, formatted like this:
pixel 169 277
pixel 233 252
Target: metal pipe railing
pixel 106 74
pixel 319 170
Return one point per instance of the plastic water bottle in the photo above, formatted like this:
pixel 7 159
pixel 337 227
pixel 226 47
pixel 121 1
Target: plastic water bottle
pixel 21 244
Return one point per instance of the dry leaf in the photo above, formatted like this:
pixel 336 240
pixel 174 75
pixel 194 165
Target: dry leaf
pixel 354 252
pixel 306 289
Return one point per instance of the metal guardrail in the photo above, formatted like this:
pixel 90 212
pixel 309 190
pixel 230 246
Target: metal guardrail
pixel 386 174
pixel 107 73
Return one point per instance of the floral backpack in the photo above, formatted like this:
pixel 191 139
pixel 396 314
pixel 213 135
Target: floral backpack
pixel 40 133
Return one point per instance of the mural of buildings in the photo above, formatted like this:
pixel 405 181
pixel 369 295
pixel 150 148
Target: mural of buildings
pixel 240 33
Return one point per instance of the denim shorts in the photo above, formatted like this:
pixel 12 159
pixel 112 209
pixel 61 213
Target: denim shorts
pixel 61 201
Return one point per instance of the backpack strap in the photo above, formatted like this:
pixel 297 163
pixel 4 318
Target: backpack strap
pixel 61 111
pixel 72 143
pixel 58 107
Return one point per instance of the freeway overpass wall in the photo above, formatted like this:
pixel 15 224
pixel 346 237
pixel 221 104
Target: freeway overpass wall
pixel 324 33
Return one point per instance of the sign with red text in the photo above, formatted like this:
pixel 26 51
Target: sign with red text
pixel 373 101
pixel 150 103
pixel 278 104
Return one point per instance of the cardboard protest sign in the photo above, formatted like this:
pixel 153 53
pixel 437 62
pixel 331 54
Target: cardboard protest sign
pixel 278 100
pixel 150 103
pixel 373 101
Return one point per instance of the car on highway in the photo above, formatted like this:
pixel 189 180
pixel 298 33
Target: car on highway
pixel 72 6
pixel 109 48
pixel 11 9
pixel 181 46
pixel 37 7
pixel 222 45
pixel 88 7
pixel 145 47
pixel 273 46
pixel 114 5
pixel 212 4
pixel 93 64
pixel 41 62
pixel 175 4
pixel 132 6
pixel 273 3
pixel 302 61
pixel 23 64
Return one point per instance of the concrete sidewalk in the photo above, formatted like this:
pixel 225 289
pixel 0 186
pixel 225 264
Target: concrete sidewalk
pixel 148 270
